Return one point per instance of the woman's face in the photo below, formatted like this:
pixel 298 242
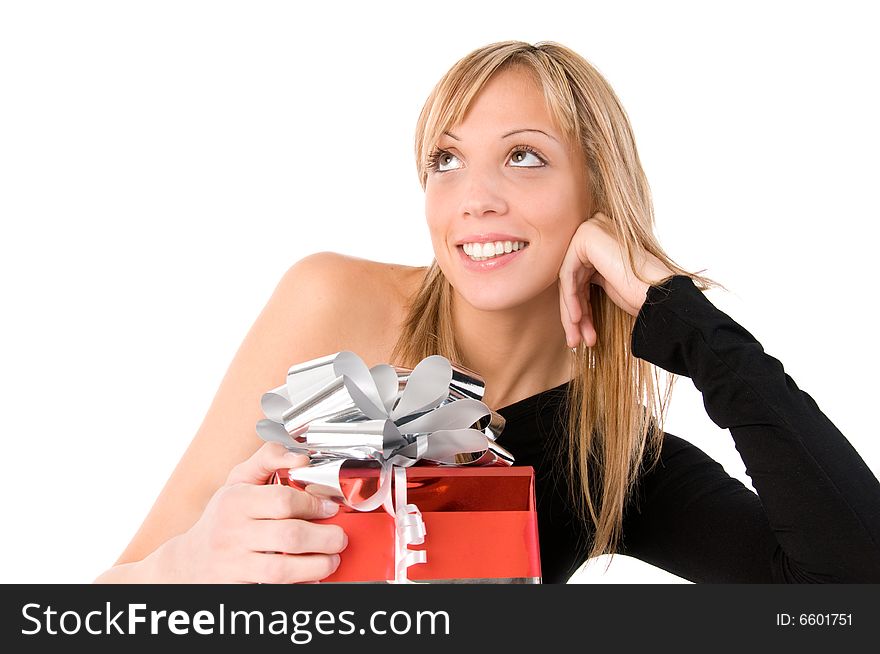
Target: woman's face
pixel 504 175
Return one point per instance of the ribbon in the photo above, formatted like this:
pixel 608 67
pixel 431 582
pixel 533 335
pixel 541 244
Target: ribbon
pixel 343 414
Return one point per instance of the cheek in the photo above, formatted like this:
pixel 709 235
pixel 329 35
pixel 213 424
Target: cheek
pixel 556 211
pixel 436 215
pixel 556 216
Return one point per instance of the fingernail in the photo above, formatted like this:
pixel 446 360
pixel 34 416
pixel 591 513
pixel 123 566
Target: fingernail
pixel 329 507
pixel 335 560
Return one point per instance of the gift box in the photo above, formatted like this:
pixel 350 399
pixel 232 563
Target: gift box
pixel 425 491
pixel 480 526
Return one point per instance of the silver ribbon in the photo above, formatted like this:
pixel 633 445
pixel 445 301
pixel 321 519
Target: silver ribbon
pixel 342 413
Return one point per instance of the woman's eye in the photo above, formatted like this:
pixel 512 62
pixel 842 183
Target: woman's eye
pixel 447 161
pixel 525 159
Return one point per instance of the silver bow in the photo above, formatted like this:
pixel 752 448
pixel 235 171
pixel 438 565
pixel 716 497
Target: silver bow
pixel 342 413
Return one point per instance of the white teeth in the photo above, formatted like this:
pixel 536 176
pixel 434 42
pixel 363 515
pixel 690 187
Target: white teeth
pixel 483 251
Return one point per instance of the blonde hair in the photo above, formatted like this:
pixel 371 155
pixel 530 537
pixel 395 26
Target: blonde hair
pixel 610 431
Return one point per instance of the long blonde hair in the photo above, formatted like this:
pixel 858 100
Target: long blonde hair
pixel 617 409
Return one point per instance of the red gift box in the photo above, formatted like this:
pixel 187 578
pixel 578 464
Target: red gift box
pixel 480 526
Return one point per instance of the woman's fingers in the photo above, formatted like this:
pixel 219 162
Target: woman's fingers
pixel 575 276
pixel 267 568
pixel 256 532
pixel 571 274
pixel 587 327
pixel 570 299
pixel 263 463
pixel 279 502
pixel 583 328
pixel 296 537
pixel 246 523
pixel 572 337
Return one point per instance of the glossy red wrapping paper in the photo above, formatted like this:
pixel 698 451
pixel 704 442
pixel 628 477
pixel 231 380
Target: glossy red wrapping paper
pixel 480 524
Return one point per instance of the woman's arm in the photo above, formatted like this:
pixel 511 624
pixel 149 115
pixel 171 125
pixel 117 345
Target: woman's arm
pixel 817 513
pixel 301 321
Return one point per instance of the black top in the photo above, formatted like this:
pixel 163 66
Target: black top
pixel 816 517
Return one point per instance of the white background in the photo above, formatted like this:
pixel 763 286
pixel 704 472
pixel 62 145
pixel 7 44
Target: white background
pixel 163 163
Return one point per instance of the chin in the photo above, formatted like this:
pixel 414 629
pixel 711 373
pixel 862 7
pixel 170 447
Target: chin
pixel 502 289
pixel 490 297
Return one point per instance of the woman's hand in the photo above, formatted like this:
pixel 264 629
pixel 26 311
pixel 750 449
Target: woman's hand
pixel 595 256
pixel 253 532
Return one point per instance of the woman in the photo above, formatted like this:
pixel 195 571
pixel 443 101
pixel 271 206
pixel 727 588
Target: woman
pixel 548 281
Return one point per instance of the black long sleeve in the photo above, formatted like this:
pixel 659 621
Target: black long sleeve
pixel 816 517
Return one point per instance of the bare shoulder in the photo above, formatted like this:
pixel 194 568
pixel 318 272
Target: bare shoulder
pixel 353 303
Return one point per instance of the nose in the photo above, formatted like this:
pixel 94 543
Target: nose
pixel 482 195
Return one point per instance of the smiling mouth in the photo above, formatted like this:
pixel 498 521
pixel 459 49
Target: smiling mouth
pixel 487 251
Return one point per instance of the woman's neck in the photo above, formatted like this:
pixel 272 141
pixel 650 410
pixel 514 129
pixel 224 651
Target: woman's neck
pixel 518 352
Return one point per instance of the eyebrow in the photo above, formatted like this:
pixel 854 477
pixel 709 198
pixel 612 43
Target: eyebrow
pixel 511 133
